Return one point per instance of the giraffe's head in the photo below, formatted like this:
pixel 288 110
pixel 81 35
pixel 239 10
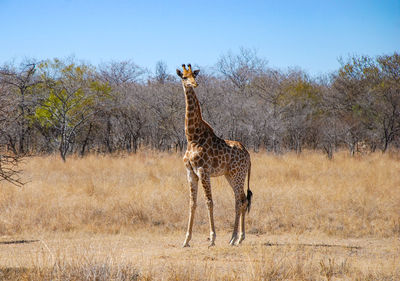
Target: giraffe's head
pixel 188 76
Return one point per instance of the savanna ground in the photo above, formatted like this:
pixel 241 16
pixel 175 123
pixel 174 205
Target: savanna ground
pixel 124 218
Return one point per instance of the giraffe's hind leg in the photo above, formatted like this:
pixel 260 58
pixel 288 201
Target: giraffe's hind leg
pixel 237 181
pixel 235 226
pixel 243 209
pixel 193 182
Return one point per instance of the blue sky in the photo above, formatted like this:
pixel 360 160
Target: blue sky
pixel 309 34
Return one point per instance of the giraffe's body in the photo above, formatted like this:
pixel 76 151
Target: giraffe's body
pixel 210 156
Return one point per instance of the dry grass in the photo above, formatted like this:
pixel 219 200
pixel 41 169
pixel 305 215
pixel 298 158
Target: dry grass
pixel 121 218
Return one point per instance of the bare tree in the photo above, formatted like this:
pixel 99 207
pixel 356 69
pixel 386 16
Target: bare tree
pixel 118 121
pixel 21 81
pixel 121 72
pixel 9 170
pixel 161 74
pixel 267 88
pixel 241 68
pixel 368 92
pixel 351 98
pixel 167 105
pixel 387 92
pixel 300 99
pixel 329 126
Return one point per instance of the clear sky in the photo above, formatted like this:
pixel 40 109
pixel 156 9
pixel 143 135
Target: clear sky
pixel 309 34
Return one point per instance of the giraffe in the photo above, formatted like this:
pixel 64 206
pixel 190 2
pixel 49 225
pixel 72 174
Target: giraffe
pixel 210 156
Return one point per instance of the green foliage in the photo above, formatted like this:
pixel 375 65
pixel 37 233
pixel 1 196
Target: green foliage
pixel 102 89
pixel 300 92
pixel 71 93
pixel 44 113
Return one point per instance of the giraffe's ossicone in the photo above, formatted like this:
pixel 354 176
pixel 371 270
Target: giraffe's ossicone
pixel 210 156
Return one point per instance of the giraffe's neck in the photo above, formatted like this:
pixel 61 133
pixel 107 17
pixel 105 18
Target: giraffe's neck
pixel 193 120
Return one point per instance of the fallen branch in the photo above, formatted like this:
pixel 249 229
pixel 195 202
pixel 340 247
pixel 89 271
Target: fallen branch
pixel 9 169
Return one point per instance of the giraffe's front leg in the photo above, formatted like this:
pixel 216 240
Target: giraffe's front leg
pixel 193 182
pixel 205 181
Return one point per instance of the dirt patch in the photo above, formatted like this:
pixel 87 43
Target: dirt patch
pixel 159 255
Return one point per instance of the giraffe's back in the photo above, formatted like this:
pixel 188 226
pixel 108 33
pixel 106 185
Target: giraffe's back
pixel 217 157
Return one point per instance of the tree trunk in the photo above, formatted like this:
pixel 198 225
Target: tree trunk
pixel 352 146
pixel 329 150
pixel 85 142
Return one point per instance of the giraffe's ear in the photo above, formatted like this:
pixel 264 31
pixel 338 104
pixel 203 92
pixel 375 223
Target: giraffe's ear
pixel 179 73
pixel 195 73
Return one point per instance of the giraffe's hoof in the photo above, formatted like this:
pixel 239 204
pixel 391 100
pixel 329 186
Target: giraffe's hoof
pixel 241 238
pixel 185 245
pixel 211 245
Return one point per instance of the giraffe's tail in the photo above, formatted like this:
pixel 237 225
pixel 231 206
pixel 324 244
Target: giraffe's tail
pixel 249 193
